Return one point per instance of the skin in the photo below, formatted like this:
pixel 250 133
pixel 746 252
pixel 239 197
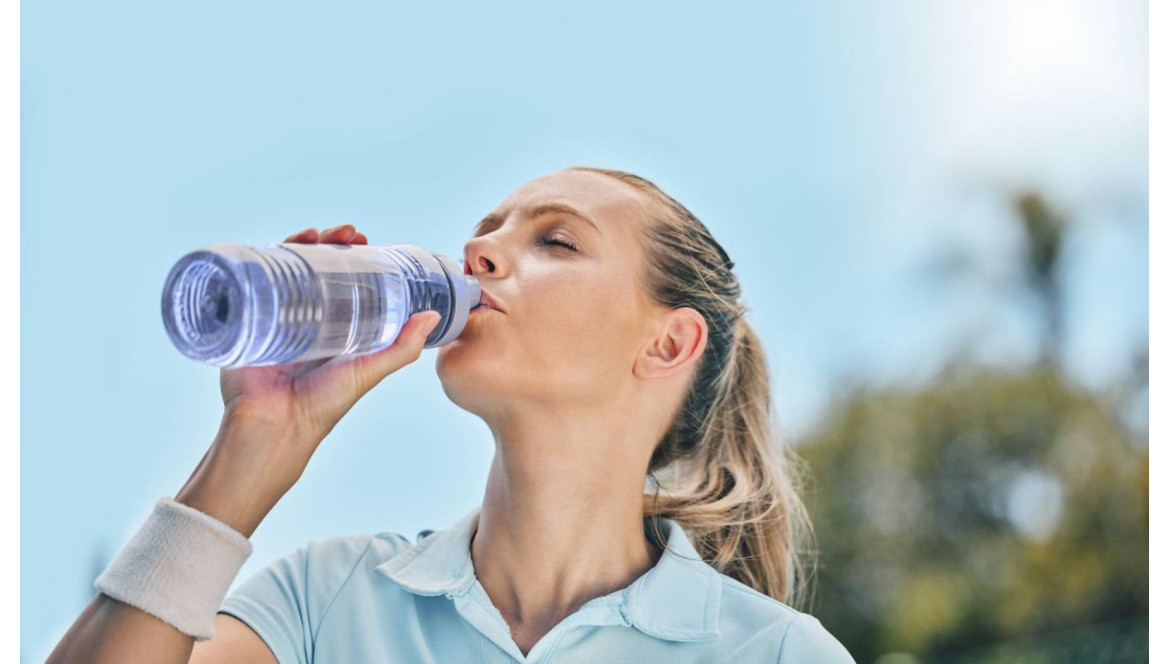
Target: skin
pixel 576 379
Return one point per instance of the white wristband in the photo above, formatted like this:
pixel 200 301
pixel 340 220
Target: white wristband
pixel 177 567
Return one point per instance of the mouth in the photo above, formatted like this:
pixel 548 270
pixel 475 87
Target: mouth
pixel 487 302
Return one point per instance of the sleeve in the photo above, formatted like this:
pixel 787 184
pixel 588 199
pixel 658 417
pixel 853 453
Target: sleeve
pixel 807 640
pixel 285 602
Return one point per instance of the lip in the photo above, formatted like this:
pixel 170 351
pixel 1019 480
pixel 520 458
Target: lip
pixel 487 302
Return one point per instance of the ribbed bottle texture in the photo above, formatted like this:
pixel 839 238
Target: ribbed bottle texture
pixel 296 314
pixel 236 305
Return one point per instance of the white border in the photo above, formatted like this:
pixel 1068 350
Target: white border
pixel 10 329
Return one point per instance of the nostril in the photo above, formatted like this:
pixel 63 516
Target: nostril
pixel 491 267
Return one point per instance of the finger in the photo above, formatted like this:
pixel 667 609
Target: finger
pixel 307 236
pixel 407 348
pixel 359 238
pixel 339 235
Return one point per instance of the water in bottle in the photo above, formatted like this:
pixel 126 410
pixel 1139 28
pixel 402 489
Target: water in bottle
pixel 235 305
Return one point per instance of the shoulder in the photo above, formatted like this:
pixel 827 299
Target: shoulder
pixel 287 599
pixel 349 550
pixel 329 563
pixel 315 572
pixel 322 565
pixel 800 637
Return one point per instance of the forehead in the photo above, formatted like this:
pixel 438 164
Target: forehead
pixel 610 203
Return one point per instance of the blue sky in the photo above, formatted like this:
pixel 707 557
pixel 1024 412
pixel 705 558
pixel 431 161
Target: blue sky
pixel 834 149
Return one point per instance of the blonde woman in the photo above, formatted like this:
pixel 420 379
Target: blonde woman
pixel 639 506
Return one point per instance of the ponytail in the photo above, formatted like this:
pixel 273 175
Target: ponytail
pixel 735 493
pixel 721 470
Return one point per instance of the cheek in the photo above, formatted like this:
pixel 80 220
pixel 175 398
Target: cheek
pixel 578 327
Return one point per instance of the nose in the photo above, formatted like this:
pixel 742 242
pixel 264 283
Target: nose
pixel 477 263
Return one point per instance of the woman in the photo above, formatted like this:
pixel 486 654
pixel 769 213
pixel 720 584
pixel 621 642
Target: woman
pixel 616 354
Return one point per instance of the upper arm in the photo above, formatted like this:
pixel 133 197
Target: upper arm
pixel 234 643
pixel 283 604
pixel 277 604
pixel 807 640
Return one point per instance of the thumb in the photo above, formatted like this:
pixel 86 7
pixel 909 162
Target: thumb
pixel 407 348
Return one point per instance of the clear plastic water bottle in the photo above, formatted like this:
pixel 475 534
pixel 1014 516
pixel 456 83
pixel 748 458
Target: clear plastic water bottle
pixel 234 305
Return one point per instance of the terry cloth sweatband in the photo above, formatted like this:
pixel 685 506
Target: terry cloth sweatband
pixel 177 567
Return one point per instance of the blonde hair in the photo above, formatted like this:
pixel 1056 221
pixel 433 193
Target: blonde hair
pixel 729 482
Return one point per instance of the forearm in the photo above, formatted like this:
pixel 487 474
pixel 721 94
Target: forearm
pixel 227 485
pixel 160 593
pixel 110 631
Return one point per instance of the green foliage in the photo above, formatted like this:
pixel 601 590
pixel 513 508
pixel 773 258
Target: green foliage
pixel 989 506
pixel 991 516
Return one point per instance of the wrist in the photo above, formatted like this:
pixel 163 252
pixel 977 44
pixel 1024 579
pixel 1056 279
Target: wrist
pixel 238 515
pixel 222 489
pixel 177 567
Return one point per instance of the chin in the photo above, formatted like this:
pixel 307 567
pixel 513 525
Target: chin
pixel 471 391
pixel 465 368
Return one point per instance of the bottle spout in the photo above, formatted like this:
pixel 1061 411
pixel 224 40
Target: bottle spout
pixel 465 294
pixel 475 290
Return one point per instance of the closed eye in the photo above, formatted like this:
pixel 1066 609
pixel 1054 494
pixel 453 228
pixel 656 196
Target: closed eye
pixel 547 240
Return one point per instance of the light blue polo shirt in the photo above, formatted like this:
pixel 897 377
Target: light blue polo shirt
pixel 381 598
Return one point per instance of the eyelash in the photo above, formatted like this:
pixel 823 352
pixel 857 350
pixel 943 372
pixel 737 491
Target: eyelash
pixel 550 240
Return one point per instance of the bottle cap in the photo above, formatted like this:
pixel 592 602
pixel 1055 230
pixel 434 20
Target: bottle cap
pixel 465 294
pixel 452 293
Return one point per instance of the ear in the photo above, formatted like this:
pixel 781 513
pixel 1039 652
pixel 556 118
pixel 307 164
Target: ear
pixel 678 341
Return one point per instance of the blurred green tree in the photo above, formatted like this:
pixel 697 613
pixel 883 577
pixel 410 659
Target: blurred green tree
pixel 990 506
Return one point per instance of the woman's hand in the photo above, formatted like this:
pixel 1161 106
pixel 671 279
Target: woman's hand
pixel 276 416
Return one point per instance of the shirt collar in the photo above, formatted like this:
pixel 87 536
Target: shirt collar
pixel 677 599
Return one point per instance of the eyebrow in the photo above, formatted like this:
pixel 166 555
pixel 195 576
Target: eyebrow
pixel 534 211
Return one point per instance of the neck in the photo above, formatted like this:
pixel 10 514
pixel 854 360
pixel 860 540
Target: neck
pixel 561 524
